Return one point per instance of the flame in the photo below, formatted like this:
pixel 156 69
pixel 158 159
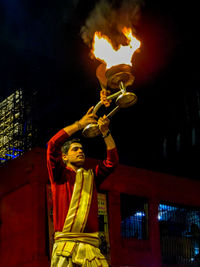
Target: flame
pixel 103 50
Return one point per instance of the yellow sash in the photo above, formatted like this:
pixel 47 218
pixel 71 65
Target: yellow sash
pixel 80 203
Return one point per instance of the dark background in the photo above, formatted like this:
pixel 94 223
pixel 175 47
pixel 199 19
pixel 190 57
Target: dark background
pixel 41 51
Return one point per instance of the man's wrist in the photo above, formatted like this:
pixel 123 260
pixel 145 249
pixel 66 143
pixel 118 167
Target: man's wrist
pixel 78 124
pixel 106 134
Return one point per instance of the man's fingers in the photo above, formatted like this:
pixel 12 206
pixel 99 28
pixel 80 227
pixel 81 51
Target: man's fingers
pixel 92 115
pixel 90 110
pixel 92 121
pixel 105 119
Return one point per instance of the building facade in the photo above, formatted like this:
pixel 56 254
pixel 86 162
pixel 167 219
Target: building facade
pixel 153 219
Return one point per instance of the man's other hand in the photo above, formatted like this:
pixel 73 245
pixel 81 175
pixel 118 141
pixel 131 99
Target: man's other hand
pixel 103 123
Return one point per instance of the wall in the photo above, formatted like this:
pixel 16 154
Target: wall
pixel 23 211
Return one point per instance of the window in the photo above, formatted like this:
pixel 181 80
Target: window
pixel 180 234
pixel 134 217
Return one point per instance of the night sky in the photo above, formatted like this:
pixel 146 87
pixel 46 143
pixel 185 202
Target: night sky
pixel 41 51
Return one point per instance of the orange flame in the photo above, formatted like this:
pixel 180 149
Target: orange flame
pixel 103 50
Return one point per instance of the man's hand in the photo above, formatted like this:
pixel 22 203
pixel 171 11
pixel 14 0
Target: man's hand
pixel 88 118
pixel 103 123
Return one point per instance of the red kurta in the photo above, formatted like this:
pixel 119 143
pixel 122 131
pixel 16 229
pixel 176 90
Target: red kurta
pixel 62 182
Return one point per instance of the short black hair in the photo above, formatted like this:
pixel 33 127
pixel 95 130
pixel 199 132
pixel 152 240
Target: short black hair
pixel 67 144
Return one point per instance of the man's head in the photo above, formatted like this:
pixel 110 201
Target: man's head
pixel 72 153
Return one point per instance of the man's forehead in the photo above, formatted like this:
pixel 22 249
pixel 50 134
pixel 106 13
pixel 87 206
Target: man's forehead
pixel 75 145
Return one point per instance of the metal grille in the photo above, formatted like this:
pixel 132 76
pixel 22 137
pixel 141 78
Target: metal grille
pixel 16 126
pixel 180 235
pixel 134 217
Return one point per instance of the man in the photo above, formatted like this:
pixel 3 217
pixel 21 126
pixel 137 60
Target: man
pixel 74 193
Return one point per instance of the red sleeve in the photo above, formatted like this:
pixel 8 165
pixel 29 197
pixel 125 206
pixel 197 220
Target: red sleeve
pixel 107 166
pixel 54 156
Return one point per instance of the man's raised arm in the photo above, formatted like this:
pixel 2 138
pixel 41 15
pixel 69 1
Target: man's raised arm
pixel 54 155
pixel 106 134
pixel 108 165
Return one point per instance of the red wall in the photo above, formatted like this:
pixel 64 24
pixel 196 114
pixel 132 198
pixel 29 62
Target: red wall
pixel 23 231
pixel 23 211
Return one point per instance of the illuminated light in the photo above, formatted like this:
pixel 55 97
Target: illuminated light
pixel 140 214
pixel 103 50
pixel 164 210
pixel 13 156
pixel 196 251
pixel 15 149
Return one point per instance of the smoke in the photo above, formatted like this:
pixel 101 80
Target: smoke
pixel 109 18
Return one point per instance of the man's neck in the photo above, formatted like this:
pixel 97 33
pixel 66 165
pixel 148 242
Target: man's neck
pixel 73 167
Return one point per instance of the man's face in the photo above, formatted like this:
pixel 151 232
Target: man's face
pixel 75 155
